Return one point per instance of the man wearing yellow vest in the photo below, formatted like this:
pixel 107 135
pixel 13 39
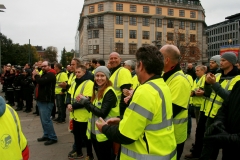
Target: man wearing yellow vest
pixel 146 130
pixel 60 93
pixel 196 150
pixel 218 89
pixel 83 84
pixel 13 142
pixel 180 90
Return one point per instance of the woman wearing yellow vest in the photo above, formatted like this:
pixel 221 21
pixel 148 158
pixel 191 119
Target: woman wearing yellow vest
pixel 103 104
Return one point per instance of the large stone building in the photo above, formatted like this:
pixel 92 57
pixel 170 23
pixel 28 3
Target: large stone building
pixel 125 25
pixel 223 34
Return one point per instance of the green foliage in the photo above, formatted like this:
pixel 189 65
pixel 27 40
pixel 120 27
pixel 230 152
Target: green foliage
pixel 16 54
pixel 66 57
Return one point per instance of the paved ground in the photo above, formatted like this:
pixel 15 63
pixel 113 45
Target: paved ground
pixel 32 129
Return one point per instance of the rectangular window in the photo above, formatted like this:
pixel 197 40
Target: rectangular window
pixel 192 38
pixel 95 49
pixel 181 13
pixel 181 25
pixel 192 26
pixel 170 24
pixel 95 33
pixel 170 36
pixel 132 48
pixel 91 9
pixel 133 21
pixel 89 34
pixel 90 49
pixel 159 36
pixel 100 7
pixel 182 37
pixel 132 34
pixel 91 21
pixel 145 35
pixel 119 33
pixel 170 12
pixel 192 14
pixel 145 9
pixel 159 10
pixel 119 7
pixel 100 20
pixel 145 21
pixel 119 48
pixel 133 8
pixel 119 20
pixel 158 22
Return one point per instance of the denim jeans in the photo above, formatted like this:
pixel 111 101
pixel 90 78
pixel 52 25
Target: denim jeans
pixel 45 109
pixel 60 98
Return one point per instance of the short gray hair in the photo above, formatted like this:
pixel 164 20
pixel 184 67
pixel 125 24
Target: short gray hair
pixel 130 63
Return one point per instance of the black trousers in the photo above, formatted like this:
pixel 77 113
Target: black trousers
pixel 200 130
pixel 103 150
pixel 180 150
pixel 79 132
pixel 29 100
pixel 10 95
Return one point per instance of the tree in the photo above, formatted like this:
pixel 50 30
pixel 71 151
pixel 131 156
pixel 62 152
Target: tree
pixel 50 54
pixel 66 57
pixel 188 45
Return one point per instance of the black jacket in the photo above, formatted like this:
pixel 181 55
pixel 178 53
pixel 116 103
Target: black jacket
pixel 45 89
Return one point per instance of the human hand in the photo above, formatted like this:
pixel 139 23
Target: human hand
pixel 113 121
pixel 210 78
pixel 63 85
pixel 199 92
pixel 69 107
pixel 100 123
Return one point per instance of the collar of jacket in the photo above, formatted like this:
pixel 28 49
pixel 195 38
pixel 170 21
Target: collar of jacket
pixel 112 70
pixel 171 72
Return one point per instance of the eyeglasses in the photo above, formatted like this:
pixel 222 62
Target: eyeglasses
pixel 44 66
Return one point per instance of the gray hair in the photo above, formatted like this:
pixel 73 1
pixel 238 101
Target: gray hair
pixel 130 63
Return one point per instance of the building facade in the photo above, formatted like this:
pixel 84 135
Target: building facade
pixel 222 34
pixel 125 25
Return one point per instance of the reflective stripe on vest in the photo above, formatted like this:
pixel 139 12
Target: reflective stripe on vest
pixel 139 156
pixel 58 81
pixel 15 120
pixel 81 91
pixel 116 82
pixel 165 122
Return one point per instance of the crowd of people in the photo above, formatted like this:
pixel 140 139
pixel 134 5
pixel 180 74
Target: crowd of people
pixel 138 109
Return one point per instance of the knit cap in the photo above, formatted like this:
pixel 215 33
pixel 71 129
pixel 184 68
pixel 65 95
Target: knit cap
pixel 230 57
pixel 104 70
pixel 216 59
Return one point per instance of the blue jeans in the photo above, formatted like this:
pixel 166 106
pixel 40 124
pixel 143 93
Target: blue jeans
pixel 45 109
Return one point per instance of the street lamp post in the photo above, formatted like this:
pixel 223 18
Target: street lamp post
pixel 1 7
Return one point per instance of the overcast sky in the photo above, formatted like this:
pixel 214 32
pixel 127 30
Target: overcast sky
pixel 54 22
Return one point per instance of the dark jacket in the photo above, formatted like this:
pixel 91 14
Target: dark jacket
pixel 45 89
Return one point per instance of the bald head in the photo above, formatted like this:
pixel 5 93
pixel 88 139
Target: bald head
pixel 114 54
pixel 172 52
pixel 114 59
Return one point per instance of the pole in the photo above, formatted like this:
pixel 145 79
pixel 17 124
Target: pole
pixel 29 56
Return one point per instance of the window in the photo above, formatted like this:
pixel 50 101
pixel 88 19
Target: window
pixel 170 24
pixel 170 36
pixel 119 20
pixel 182 37
pixel 100 20
pixel 192 14
pixel 132 48
pixel 95 33
pixel 192 50
pixel 181 25
pixel 133 8
pixel 119 7
pixel 90 51
pixel 119 48
pixel 119 33
pixel 192 38
pixel 182 49
pixel 145 35
pixel 145 21
pixel 132 34
pixel 181 13
pixel 170 12
pixel 158 10
pixel 100 7
pixel 159 36
pixel 145 9
pixel 91 9
pixel 158 23
pixel 91 21
pixel 192 26
pixel 95 49
pixel 89 34
pixel 133 21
